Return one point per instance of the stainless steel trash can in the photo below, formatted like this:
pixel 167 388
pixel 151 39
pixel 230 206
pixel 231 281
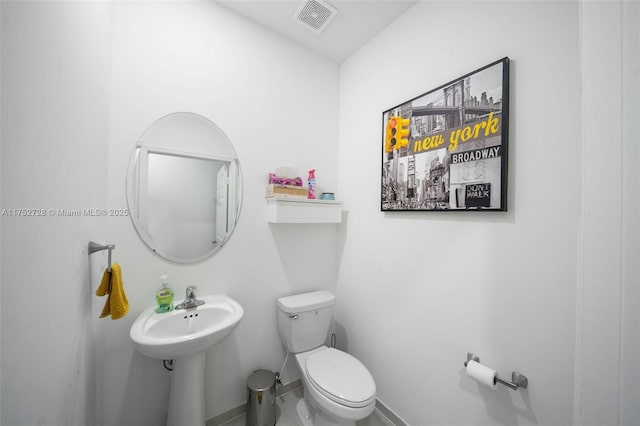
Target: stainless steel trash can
pixel 261 405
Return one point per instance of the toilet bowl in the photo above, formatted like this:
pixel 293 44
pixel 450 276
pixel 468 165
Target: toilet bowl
pixel 338 388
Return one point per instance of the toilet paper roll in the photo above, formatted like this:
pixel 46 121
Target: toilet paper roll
pixel 482 374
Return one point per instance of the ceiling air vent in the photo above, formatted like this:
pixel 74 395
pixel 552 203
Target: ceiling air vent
pixel 315 14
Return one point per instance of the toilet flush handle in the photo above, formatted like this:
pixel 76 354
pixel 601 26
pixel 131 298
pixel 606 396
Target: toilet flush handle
pixel 293 316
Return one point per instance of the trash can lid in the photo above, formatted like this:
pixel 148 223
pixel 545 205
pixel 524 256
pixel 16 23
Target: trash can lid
pixel 261 380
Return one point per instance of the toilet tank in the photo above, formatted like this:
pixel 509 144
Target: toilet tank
pixel 304 320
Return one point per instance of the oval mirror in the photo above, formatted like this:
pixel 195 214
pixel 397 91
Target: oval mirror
pixel 184 187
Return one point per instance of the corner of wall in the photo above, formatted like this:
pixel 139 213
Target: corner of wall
pixel 607 322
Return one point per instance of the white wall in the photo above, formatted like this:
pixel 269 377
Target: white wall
pixel 607 388
pixel 55 68
pixel 549 288
pixel 417 291
pixel 81 83
pixel 629 409
pixel 276 103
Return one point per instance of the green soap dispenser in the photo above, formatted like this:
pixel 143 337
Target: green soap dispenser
pixel 164 296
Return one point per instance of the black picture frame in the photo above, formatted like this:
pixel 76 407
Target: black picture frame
pixel 447 149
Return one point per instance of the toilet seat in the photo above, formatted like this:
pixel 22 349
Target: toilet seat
pixel 341 378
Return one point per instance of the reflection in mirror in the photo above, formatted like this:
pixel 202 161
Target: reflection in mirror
pixel 184 188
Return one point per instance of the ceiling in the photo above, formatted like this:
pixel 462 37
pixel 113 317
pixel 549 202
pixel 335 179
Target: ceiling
pixel 356 22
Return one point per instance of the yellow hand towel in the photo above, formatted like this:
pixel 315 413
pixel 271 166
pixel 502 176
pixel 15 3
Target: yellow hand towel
pixel 117 304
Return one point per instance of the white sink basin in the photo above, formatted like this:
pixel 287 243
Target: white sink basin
pixel 185 332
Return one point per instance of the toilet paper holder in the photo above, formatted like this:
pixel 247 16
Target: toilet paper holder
pixel 517 380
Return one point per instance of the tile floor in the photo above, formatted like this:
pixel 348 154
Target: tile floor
pixel 286 413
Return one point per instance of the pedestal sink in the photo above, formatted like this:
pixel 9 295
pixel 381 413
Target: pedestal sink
pixel 185 335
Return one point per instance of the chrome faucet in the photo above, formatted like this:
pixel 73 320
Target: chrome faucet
pixel 192 299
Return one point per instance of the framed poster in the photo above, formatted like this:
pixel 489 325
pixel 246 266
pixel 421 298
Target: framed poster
pixel 447 148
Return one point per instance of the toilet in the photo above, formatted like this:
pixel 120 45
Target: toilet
pixel 338 388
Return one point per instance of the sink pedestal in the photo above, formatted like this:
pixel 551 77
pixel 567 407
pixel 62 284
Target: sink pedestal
pixel 185 336
pixel 186 397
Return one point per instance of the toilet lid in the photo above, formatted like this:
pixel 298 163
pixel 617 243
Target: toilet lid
pixel 341 377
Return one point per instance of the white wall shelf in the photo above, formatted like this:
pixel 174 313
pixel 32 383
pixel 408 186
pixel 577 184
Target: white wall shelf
pixel 295 210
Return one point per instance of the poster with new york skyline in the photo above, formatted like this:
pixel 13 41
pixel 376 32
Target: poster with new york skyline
pixel 447 148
